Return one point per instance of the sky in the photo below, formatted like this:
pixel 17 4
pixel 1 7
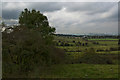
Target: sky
pixel 69 17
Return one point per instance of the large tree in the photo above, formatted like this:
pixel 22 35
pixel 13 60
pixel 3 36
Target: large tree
pixel 30 45
pixel 34 19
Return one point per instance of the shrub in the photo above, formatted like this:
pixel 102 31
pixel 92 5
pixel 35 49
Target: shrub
pixel 91 57
pixel 27 51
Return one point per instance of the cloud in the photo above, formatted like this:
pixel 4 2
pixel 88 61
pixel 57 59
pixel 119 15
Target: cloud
pixel 71 17
pixel 61 1
pixel 68 20
pixel 13 9
pixel 45 6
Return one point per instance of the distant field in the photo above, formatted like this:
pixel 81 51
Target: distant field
pixel 104 44
pixel 107 47
pixel 104 39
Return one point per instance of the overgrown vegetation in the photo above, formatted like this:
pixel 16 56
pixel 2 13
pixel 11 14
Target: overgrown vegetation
pixel 91 57
pixel 28 48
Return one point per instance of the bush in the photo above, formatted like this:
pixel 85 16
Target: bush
pixel 30 45
pixel 27 51
pixel 91 57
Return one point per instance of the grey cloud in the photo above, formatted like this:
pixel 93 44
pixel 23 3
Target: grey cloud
pixel 70 21
pixel 41 6
pixel 90 7
pixel 0 11
pixel 13 14
pixel 46 6
pixel 113 18
pixel 9 13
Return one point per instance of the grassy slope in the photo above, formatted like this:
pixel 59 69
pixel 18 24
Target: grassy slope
pixel 80 71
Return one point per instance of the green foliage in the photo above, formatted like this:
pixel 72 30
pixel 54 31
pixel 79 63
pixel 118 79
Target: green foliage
pixel 91 57
pixel 30 45
pixel 35 19
pixel 26 49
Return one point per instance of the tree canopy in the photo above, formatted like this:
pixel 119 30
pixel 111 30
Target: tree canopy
pixel 34 19
pixel 30 45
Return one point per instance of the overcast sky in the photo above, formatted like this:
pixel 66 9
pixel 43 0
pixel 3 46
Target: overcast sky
pixel 70 17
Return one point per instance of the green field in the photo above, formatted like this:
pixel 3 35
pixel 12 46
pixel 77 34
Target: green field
pixel 104 39
pixel 87 70
pixel 73 71
pixel 79 71
pixel 104 44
